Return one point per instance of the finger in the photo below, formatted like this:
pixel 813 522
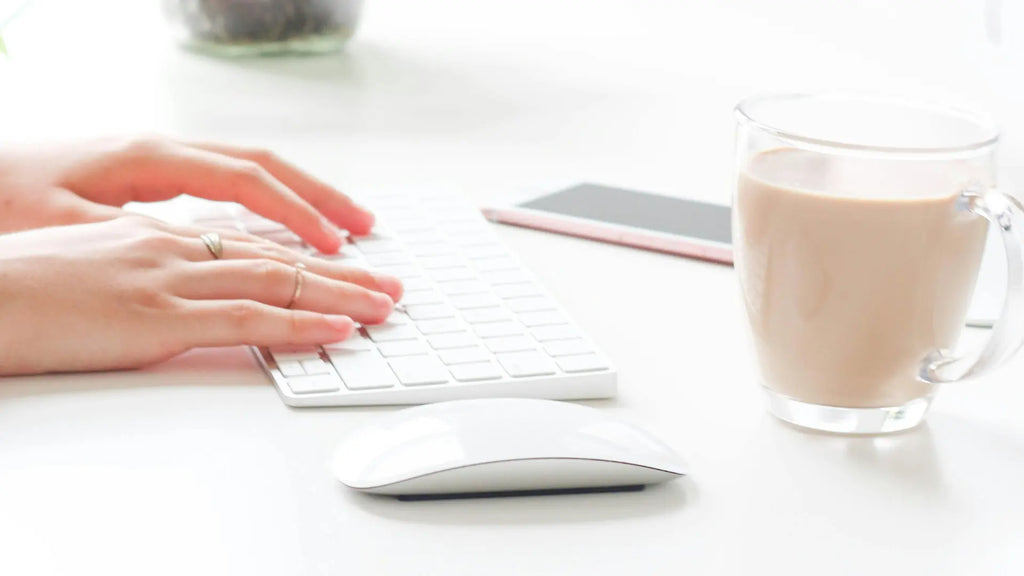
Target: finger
pixel 163 170
pixel 276 284
pixel 254 248
pixel 236 322
pixel 190 245
pixel 327 199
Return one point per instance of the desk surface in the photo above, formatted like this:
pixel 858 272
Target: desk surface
pixel 196 467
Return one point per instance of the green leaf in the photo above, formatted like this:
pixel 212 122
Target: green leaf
pixel 3 48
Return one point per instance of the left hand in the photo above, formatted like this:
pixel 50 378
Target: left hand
pixel 89 182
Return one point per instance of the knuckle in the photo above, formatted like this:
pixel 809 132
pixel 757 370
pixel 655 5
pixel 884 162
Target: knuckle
pixel 269 273
pixel 156 241
pixel 269 250
pixel 248 172
pixel 144 146
pixel 242 315
pixel 154 298
pixel 262 156
pixel 295 323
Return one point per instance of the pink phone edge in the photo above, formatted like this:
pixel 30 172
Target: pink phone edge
pixel 636 238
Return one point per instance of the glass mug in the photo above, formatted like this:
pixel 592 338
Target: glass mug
pixel 858 227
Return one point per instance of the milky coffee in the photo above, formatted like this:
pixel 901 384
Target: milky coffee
pixel 853 270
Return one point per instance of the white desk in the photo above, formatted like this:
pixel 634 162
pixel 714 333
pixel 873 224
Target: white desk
pixel 196 467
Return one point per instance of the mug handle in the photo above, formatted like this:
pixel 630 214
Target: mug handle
pixel 1006 213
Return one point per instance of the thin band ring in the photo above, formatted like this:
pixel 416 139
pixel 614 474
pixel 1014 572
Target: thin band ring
pixel 213 244
pixel 299 280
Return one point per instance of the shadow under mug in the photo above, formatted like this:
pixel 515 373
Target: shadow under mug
pixel 858 227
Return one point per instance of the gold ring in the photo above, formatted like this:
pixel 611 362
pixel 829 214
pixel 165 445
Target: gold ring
pixel 299 267
pixel 213 244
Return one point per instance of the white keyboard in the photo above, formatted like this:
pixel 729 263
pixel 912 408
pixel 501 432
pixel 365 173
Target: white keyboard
pixel 472 323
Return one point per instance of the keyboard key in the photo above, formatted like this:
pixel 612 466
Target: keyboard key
pixel 480 315
pixel 451 274
pixel 402 348
pixel 362 370
pixel 471 301
pixel 531 304
pixel 354 342
pixel 414 283
pixel 581 363
pixel 521 364
pixel 402 271
pixel 455 340
pixel 494 329
pixel 549 333
pixel 465 223
pixel 379 246
pixel 432 249
pixel 296 354
pixel 313 384
pixel 416 232
pixel 440 326
pixel 491 264
pixel 387 332
pixel 567 347
pixel 460 287
pixel 378 234
pixel 509 344
pixel 315 366
pixel 444 261
pixel 499 277
pixel 430 311
pixel 291 368
pixel 429 296
pixel 484 251
pixel 470 233
pixel 510 291
pixel 398 317
pixel 452 212
pixel 419 370
pixel 542 318
pixel 463 355
pixel 389 258
pixel 474 372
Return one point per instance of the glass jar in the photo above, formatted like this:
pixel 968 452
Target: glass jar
pixel 253 27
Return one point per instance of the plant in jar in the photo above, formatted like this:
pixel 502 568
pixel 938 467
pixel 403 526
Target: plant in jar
pixel 264 26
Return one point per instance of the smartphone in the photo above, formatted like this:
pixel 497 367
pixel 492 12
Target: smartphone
pixel 629 217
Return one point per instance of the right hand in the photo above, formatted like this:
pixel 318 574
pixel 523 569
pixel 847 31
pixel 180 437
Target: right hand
pixel 135 291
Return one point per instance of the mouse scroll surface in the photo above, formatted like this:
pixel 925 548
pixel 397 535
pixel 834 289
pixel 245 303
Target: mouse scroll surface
pixel 490 445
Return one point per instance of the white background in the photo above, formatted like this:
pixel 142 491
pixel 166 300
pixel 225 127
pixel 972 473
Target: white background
pixel 196 467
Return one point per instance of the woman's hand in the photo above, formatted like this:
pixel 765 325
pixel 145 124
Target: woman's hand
pixel 133 291
pixel 89 182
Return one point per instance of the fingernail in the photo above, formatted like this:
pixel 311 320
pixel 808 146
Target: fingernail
pixel 384 301
pixel 389 284
pixel 368 216
pixel 343 324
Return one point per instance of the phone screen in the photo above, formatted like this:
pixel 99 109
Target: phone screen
pixel 640 210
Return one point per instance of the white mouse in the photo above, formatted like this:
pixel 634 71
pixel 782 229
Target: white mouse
pixel 501 445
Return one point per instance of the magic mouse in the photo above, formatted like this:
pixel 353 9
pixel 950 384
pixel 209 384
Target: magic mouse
pixel 499 446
